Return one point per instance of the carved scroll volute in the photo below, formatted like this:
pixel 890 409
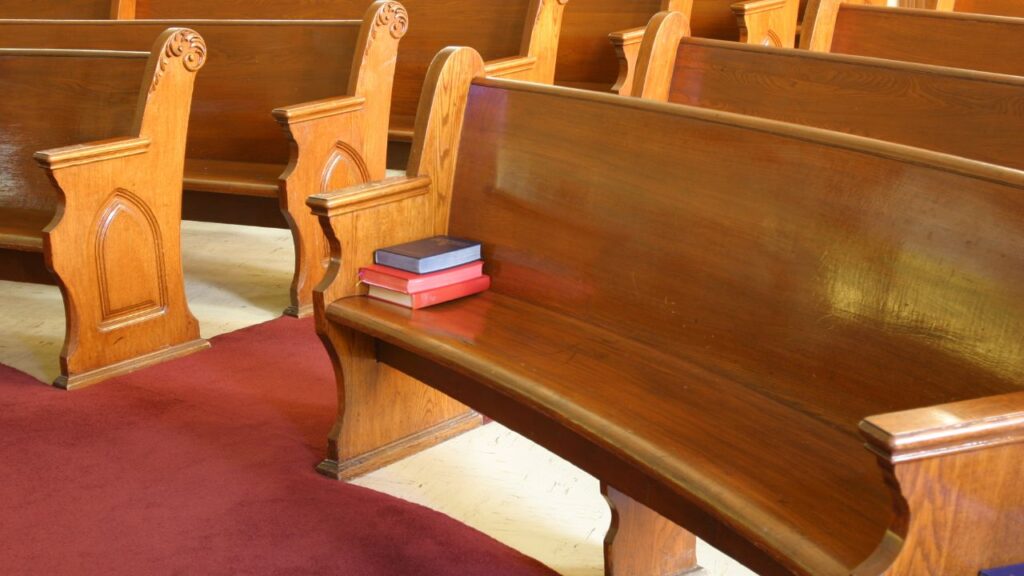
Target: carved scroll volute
pixel 373 66
pixel 182 53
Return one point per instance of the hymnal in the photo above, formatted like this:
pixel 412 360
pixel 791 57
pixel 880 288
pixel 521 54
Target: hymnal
pixel 409 283
pixel 429 255
pixel 431 297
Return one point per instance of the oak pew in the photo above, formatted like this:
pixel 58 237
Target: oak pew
pixel 326 83
pixel 958 40
pixel 519 38
pixel 101 218
pixel 976 115
pixel 711 313
pixel 1014 8
pixel 62 9
pixel 587 60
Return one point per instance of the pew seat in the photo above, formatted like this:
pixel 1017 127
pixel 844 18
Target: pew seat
pixel 22 228
pixel 712 314
pixel 93 155
pixel 227 177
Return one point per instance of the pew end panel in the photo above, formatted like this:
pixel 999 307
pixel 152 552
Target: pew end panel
pixel 338 142
pixel 698 393
pixel 358 220
pixel 114 245
pixel 949 467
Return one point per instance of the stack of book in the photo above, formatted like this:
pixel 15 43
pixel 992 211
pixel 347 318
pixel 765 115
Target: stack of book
pixel 426 272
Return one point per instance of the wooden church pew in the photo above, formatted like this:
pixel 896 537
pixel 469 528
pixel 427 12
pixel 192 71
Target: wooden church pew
pixel 59 9
pixel 587 60
pixel 101 218
pixel 973 114
pixel 325 82
pixel 711 313
pixel 958 40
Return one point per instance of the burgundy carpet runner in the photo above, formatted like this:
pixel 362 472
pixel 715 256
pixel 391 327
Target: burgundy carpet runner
pixel 204 465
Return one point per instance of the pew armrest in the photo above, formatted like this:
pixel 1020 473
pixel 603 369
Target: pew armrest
pixel 766 22
pixel 370 195
pixel 91 153
pixel 310 111
pixel 512 68
pixel 946 429
pixel 360 219
pixel 627 47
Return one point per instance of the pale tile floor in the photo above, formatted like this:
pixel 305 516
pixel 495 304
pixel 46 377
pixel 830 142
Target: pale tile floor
pixel 491 478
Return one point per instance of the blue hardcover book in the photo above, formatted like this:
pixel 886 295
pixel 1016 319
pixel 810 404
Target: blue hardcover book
pixel 1017 570
pixel 429 255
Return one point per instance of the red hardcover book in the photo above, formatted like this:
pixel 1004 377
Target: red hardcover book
pixel 411 283
pixel 434 296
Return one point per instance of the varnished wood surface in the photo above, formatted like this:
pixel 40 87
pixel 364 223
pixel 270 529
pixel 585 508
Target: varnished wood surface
pixel 966 113
pixel 495 29
pixel 249 73
pixel 728 327
pixel 62 9
pixel 108 130
pixel 1013 8
pixel 52 102
pixel 958 40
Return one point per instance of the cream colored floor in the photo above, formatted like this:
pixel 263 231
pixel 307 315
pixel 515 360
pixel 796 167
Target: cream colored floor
pixel 491 478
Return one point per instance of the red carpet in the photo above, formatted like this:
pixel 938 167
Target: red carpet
pixel 204 465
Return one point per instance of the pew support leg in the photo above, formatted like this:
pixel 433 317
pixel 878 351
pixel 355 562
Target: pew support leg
pixel 115 251
pixel 327 154
pixel 641 542
pixel 383 414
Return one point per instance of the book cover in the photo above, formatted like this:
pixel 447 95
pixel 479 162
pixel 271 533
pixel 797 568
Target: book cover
pixel 1017 570
pixel 409 283
pixel 428 255
pixel 431 297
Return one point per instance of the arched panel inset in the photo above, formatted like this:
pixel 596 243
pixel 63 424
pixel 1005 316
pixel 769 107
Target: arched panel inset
pixel 129 246
pixel 344 167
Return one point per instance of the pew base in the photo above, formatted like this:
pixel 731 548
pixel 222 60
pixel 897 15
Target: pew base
pixel 399 449
pixel 299 311
pixel 90 377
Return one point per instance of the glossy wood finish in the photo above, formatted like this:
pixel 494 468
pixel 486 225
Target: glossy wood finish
pixel 971 114
pixel 320 87
pixel 525 30
pixel 587 60
pixel 970 41
pixel 104 213
pixel 641 542
pixel 1014 8
pixel 710 345
pixel 62 9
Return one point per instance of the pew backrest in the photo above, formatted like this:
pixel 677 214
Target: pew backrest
pixel 498 30
pixel 253 68
pixel 973 114
pixel 56 98
pixel 958 40
pixel 64 9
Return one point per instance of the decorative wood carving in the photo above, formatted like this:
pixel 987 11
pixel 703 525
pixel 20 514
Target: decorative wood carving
pixel 128 241
pixel 344 167
pixel 112 242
